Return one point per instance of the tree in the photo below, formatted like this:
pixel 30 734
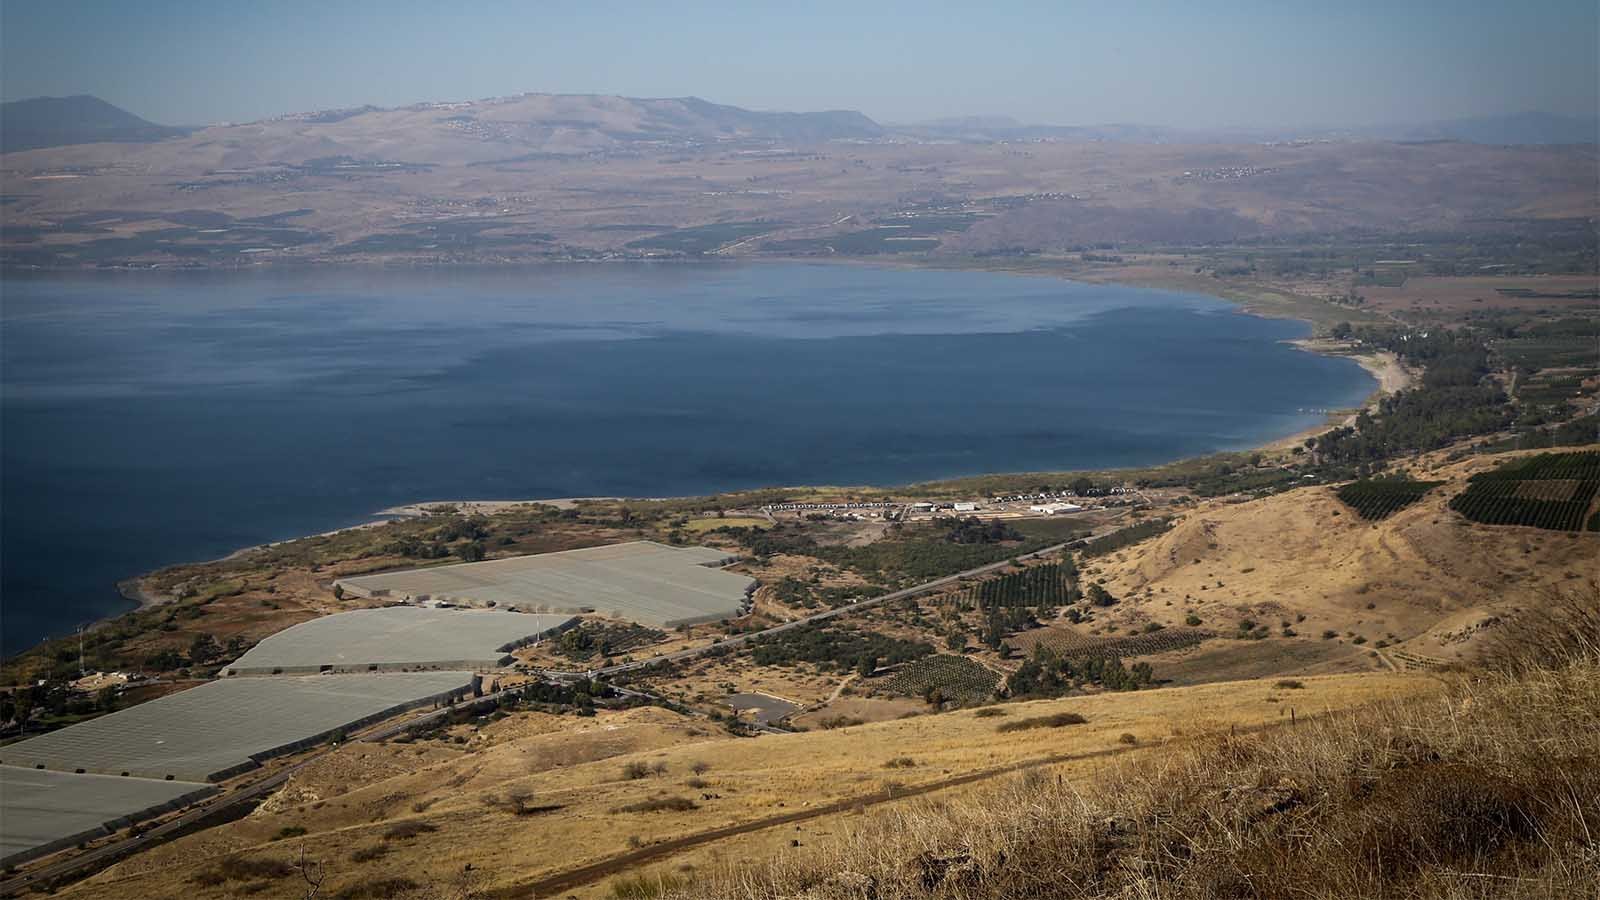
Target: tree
pixel 1082 486
pixel 203 649
pixel 471 551
pixel 1341 331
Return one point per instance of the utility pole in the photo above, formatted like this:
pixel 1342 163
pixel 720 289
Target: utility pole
pixel 82 669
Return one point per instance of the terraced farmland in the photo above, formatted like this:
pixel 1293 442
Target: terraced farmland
pixel 953 677
pixel 1551 490
pixel 1381 498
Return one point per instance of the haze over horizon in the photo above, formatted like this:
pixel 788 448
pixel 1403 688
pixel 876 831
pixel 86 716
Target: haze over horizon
pixel 1255 65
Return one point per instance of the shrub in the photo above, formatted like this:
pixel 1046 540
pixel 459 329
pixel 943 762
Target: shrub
pixel 381 889
pixel 659 804
pixel 240 868
pixel 1057 720
pixel 289 831
pixel 1289 684
pixel 990 712
pixel 368 853
pixel 901 762
pixel 405 831
pixel 839 722
pixel 635 770
pixel 1126 738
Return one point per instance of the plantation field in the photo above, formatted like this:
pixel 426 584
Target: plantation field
pixel 953 677
pixel 1069 642
pixel 1048 585
pixel 1124 537
pixel 1381 498
pixel 1551 490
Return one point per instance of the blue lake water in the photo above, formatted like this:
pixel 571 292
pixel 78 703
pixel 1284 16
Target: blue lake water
pixel 150 418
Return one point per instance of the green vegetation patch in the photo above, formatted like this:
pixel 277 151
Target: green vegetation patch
pixel 1380 498
pixel 1125 537
pixel 945 677
pixel 870 242
pixel 1551 490
pixel 835 647
pixel 702 238
pixel 1070 644
pixel 1058 720
pixel 603 639
pixel 1050 585
pixel 909 555
pixel 1045 674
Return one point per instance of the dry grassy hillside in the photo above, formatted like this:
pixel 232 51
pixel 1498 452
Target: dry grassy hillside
pixel 528 797
pixel 1422 580
pixel 1490 789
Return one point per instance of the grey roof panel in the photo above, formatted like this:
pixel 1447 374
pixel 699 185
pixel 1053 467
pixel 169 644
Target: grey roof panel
pixel 640 580
pixel 211 731
pixel 397 637
pixel 42 811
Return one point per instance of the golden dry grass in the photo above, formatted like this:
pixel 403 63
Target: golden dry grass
pixel 1420 578
pixel 577 766
pixel 1490 789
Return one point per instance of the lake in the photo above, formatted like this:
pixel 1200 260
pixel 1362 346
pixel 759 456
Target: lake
pixel 155 418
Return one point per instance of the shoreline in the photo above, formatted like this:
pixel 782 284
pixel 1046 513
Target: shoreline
pixel 1382 366
pixel 1385 368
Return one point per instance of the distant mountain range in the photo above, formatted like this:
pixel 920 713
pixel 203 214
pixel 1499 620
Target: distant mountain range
pixel 1515 128
pixel 59 121
pixel 530 125
pixel 540 123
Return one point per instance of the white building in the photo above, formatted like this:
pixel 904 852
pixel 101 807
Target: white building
pixel 1052 509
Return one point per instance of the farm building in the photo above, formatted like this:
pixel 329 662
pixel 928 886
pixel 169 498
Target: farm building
pixel 641 581
pixel 399 638
pixel 1055 509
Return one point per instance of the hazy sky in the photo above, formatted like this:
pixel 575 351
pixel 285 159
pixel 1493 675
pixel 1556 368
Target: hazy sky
pixel 1192 64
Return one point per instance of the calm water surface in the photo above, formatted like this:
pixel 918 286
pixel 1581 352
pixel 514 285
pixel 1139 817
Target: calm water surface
pixel 149 419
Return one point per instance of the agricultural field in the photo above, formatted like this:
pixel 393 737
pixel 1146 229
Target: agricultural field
pixel 702 238
pixel 700 526
pixel 1069 642
pixel 1125 537
pixel 944 677
pixel 1551 490
pixel 1055 584
pixel 1381 498
pixel 835 647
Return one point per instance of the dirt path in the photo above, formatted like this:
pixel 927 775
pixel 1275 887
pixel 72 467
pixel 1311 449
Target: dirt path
pixel 553 884
pixel 839 689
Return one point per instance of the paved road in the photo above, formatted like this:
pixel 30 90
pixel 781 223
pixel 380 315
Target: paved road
pixel 99 857
pixel 738 640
